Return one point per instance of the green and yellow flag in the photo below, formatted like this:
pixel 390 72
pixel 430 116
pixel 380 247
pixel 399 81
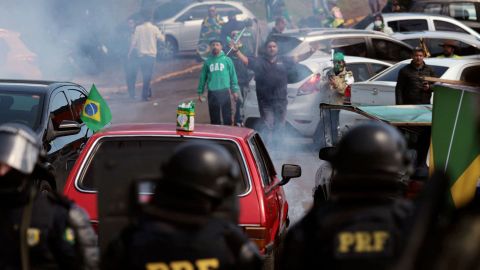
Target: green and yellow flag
pixel 455 139
pixel 96 113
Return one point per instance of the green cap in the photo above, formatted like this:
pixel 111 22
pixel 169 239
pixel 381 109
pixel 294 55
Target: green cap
pixel 338 56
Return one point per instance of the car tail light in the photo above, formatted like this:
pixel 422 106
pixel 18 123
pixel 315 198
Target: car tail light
pixel 257 235
pixel 310 86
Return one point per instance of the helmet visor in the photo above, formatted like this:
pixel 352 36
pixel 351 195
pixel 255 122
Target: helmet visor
pixel 18 151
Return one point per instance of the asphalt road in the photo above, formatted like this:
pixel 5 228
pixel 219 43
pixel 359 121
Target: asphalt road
pixel 167 94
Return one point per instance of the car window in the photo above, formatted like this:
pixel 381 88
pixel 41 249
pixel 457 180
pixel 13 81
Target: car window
pixel 391 75
pixel 59 109
pixel 360 71
pixel 195 13
pixel 224 9
pixel 463 11
pixel 446 26
pixel 432 8
pixel 462 50
pixel 169 9
pixel 389 51
pixel 298 73
pixel 146 157
pixel 377 68
pixel 262 159
pixel 470 75
pixel 77 100
pixel 350 46
pixel 408 25
pixel 414 42
pixel 23 108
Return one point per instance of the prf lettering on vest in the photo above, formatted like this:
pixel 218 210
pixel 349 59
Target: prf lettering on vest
pixel 217 67
pixel 202 264
pixel 362 242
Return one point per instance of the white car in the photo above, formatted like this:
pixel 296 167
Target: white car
pixel 467 44
pixel 181 21
pixel 380 90
pixel 305 91
pixel 406 22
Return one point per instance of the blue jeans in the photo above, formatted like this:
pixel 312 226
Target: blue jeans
pixel 146 64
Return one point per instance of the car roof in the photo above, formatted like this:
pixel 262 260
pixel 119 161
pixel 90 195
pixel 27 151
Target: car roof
pixel 448 1
pixel 314 32
pixel 348 59
pixel 406 15
pixel 436 34
pixel 32 85
pixel 201 130
pixel 448 62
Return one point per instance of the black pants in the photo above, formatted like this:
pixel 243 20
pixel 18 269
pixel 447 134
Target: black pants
pixel 238 105
pixel 220 107
pixel 146 64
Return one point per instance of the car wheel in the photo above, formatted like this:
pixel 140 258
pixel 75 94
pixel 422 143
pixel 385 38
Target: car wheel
pixel 168 49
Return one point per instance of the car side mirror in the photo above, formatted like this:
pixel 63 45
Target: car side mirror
pixel 327 153
pixel 290 171
pixel 67 127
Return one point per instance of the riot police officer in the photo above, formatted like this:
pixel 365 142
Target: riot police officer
pixel 38 230
pixel 182 227
pixel 361 225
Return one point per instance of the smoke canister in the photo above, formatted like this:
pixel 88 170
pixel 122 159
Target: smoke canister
pixel 186 116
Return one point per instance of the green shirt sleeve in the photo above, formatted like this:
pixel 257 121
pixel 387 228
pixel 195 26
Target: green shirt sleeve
pixel 233 76
pixel 203 78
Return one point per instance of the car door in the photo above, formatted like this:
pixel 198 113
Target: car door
pixel 189 32
pixel 59 148
pixel 274 197
pixel 360 71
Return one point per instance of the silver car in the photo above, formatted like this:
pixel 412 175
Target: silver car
pixel 181 22
pixel 306 91
pixel 467 44
pixel 406 22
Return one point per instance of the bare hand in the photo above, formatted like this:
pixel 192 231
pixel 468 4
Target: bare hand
pixel 235 96
pixel 426 87
pixel 201 98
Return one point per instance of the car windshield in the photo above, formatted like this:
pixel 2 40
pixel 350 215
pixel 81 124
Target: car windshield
pixel 298 73
pixel 390 75
pixel 142 158
pixel 286 44
pixel 169 10
pixel 22 108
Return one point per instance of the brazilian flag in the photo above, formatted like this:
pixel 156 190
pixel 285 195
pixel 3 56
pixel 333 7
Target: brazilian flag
pixel 455 139
pixel 96 113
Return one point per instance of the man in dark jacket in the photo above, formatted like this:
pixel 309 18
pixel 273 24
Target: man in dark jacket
pixel 38 230
pixel 362 225
pixel 411 87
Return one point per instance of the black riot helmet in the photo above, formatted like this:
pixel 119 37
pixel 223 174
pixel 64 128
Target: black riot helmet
pixel 372 155
pixel 198 178
pixel 20 150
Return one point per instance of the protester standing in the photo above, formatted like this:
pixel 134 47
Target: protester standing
pixel 144 48
pixel 218 74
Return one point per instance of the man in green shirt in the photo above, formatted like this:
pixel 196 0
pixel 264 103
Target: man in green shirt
pixel 218 74
pixel 449 47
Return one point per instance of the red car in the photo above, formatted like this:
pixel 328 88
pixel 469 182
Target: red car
pixel 263 205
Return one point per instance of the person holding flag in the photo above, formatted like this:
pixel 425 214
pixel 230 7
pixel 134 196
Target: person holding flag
pixel 95 114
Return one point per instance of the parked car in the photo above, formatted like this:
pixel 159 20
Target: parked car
pixel 407 22
pixel 181 21
pixel 52 110
pixel 465 11
pixel 380 90
pixel 306 90
pixel 263 205
pixel 467 44
pixel 363 43
pixel 16 60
